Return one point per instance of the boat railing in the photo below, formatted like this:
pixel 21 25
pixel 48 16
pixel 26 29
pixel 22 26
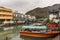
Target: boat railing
pixel 53 29
pixel 35 30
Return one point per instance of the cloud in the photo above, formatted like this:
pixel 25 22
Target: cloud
pixel 26 5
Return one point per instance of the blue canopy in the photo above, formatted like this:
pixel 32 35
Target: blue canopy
pixel 34 27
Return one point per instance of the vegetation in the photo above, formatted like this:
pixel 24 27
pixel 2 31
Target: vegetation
pixel 40 17
pixel 49 21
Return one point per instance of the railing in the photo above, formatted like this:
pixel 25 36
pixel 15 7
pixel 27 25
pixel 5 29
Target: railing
pixel 6 13
pixel 5 17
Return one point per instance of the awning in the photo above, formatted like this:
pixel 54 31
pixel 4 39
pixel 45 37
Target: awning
pixel 34 27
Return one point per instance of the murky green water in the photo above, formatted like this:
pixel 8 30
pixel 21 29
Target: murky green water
pixel 32 38
pixel 16 31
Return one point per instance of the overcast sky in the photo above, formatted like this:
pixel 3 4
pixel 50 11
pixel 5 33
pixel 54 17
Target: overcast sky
pixel 25 5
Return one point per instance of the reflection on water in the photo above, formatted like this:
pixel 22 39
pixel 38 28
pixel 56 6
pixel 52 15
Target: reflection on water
pixel 34 38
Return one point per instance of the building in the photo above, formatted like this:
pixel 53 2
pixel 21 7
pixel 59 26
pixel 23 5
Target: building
pixel 30 19
pixel 5 15
pixel 17 16
pixel 54 13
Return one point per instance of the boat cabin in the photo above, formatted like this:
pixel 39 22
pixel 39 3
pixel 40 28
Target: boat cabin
pixel 52 26
pixel 34 29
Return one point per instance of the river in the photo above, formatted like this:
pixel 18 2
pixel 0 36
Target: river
pixel 16 36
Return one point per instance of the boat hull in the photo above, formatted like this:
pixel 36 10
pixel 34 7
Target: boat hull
pixel 30 34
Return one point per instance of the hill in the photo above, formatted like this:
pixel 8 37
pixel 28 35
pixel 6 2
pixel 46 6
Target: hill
pixel 43 12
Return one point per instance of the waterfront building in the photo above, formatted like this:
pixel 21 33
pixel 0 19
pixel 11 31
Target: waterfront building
pixel 30 19
pixel 17 16
pixel 5 15
pixel 54 13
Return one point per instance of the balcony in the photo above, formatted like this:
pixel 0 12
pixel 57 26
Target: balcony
pixel 6 17
pixel 1 13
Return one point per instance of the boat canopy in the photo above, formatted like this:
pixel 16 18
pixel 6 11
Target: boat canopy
pixel 34 27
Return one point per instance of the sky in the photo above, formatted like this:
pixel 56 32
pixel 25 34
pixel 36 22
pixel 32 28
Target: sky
pixel 23 6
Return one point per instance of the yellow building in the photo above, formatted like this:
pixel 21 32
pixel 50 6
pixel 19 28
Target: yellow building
pixel 5 15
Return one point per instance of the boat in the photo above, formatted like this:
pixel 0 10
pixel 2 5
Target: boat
pixel 37 31
pixel 52 25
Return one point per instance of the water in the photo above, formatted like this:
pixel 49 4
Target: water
pixel 16 36
pixel 32 38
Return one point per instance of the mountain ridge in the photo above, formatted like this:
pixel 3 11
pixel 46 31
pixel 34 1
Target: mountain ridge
pixel 43 12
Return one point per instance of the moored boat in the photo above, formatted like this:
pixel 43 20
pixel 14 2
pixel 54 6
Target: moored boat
pixel 31 34
pixel 37 31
